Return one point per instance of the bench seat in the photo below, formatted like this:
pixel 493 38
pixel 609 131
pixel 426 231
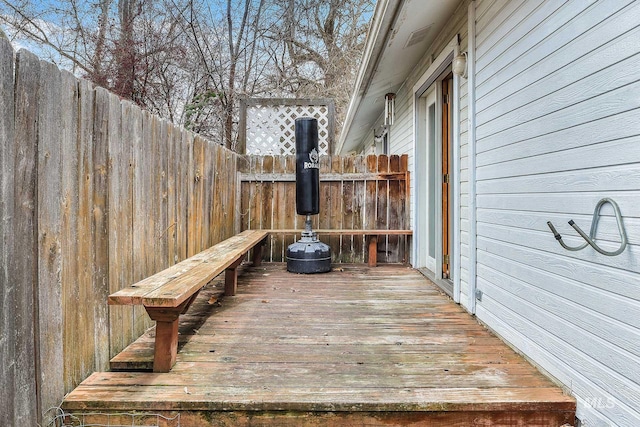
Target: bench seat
pixel 169 293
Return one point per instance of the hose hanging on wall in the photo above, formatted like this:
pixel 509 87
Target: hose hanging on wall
pixel 590 239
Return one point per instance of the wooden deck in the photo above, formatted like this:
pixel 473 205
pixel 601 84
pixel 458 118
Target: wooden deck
pixel 354 347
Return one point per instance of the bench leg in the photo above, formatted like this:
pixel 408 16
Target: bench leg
pixel 373 250
pixel 166 343
pixel 257 253
pixel 231 279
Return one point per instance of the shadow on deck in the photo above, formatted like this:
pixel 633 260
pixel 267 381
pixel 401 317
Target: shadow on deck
pixel 357 346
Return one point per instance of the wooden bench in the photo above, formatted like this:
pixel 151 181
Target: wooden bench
pixel 371 237
pixel 169 293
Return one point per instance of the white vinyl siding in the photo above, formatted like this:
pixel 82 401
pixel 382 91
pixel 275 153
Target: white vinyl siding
pixel 401 135
pixel 402 132
pixel 558 129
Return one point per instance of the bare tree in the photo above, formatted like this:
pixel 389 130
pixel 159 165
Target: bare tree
pixel 224 38
pixel 323 41
pixel 192 60
pixel 128 46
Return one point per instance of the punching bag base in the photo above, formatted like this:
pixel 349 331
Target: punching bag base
pixel 308 256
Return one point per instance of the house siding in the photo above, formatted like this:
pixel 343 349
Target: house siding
pixel 402 132
pixel 558 129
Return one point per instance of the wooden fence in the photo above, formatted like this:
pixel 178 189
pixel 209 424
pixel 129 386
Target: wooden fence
pixel 356 193
pixel 95 194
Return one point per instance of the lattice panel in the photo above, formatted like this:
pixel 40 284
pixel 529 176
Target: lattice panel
pixel 271 128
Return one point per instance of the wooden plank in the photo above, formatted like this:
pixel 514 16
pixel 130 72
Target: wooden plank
pixel 264 164
pixel 382 210
pixel 180 288
pixel 232 162
pixel 346 232
pixel 280 206
pixel 348 202
pixel 144 219
pixel 162 232
pixel 195 224
pixel 421 399
pixel 395 210
pixel 228 176
pixel 245 209
pixel 327 176
pixel 73 314
pixel 94 338
pixel 173 158
pixel 267 164
pixel 207 190
pixel 124 131
pixel 323 220
pixel 93 345
pixel 359 208
pixel 336 418
pixel 335 208
pixel 288 204
pixel 93 141
pixel 8 309
pixel 50 264
pixel 371 196
pixel 218 188
pixel 187 275
pixel 187 194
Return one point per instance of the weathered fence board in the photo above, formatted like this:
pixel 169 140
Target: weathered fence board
pixel 74 312
pixel 161 164
pixel 355 193
pixel 7 236
pixel 122 121
pixel 94 195
pixel 24 267
pixel 173 156
pixel 49 292
pixel 93 216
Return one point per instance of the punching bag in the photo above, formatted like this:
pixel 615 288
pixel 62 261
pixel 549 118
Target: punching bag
pixel 308 255
pixel 307 167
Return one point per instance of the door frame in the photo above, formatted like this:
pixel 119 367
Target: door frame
pixel 430 79
pixel 425 167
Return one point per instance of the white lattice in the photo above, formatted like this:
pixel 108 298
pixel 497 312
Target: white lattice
pixel 271 128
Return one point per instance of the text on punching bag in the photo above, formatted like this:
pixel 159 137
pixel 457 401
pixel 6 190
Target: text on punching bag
pixel 313 160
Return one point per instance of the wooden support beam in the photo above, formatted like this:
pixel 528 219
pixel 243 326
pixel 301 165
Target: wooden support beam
pixel 257 253
pixel 166 340
pixel 231 279
pixel 372 243
pixel 166 345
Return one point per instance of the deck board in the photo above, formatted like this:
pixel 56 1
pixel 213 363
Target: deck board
pixel 380 342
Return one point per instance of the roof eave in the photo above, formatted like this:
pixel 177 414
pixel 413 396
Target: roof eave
pixel 383 18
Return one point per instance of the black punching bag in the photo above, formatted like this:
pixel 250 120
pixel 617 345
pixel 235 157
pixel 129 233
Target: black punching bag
pixel 307 167
pixel 308 255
